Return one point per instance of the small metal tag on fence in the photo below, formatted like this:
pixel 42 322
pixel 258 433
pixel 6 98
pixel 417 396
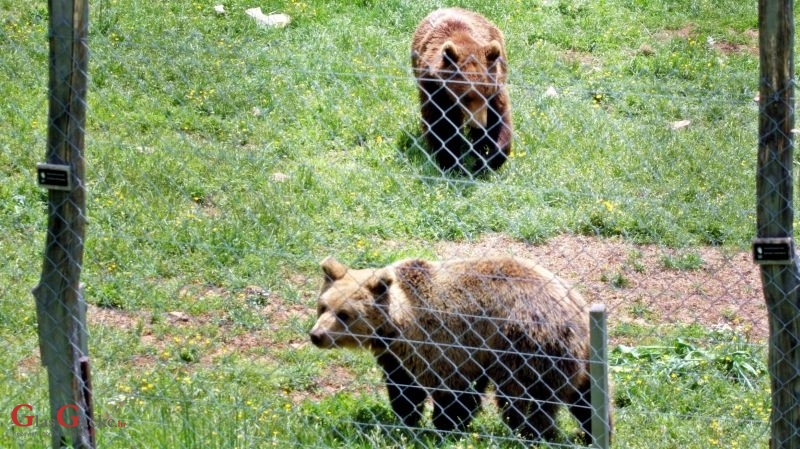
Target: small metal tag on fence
pixel 54 176
pixel 773 251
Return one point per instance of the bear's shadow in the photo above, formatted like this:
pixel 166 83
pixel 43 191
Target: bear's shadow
pixel 411 149
pixel 373 422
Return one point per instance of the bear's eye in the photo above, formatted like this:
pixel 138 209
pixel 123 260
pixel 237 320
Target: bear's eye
pixel 343 316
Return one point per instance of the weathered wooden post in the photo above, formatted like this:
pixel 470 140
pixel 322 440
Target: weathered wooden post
pixel 60 306
pixel 774 246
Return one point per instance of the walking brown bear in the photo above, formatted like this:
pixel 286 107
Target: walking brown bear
pixel 450 329
pixel 459 62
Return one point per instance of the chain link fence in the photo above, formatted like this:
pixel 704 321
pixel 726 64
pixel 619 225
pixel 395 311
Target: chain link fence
pixel 226 159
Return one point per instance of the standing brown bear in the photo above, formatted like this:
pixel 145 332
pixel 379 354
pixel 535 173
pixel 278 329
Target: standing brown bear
pixel 450 329
pixel 459 62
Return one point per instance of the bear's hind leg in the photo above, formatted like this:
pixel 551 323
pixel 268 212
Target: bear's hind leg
pixel 406 396
pixel 455 409
pixel 407 401
pixel 580 405
pixel 533 420
pixel 528 405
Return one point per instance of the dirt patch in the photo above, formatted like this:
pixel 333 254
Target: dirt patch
pixel 684 32
pixel 586 60
pixel 336 379
pixel 748 46
pixel 730 47
pixel 646 284
pixel 751 46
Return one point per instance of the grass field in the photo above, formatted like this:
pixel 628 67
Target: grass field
pixel 224 160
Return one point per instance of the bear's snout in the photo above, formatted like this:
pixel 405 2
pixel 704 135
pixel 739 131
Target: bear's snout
pixel 318 338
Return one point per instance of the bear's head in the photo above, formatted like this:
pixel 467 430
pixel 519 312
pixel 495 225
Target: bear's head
pixel 473 74
pixel 352 309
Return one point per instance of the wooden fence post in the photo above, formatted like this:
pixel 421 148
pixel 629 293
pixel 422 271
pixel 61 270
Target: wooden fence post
pixel 773 247
pixel 60 306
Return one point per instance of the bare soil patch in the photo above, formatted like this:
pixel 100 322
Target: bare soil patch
pixel 640 283
pixel 748 40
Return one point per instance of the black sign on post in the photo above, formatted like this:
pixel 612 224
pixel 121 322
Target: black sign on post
pixel 773 251
pixel 54 176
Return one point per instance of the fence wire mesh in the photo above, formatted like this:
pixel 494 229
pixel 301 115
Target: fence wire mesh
pixel 225 160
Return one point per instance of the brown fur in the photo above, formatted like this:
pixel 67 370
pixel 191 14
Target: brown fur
pixel 459 61
pixel 448 329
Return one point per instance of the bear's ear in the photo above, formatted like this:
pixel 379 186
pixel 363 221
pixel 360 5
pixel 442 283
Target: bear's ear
pixel 333 269
pixel 380 288
pixel 450 54
pixel 494 52
pixel 495 61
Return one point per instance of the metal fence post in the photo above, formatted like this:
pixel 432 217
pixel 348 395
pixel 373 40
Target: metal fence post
pixel 598 371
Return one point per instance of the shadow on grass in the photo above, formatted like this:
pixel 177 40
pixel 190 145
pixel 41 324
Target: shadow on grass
pixel 367 421
pixel 411 149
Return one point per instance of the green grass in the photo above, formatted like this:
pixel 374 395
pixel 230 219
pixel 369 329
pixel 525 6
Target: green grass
pixel 688 261
pixel 222 156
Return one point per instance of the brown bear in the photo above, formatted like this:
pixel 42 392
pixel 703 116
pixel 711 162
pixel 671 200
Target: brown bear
pixel 459 63
pixel 451 329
